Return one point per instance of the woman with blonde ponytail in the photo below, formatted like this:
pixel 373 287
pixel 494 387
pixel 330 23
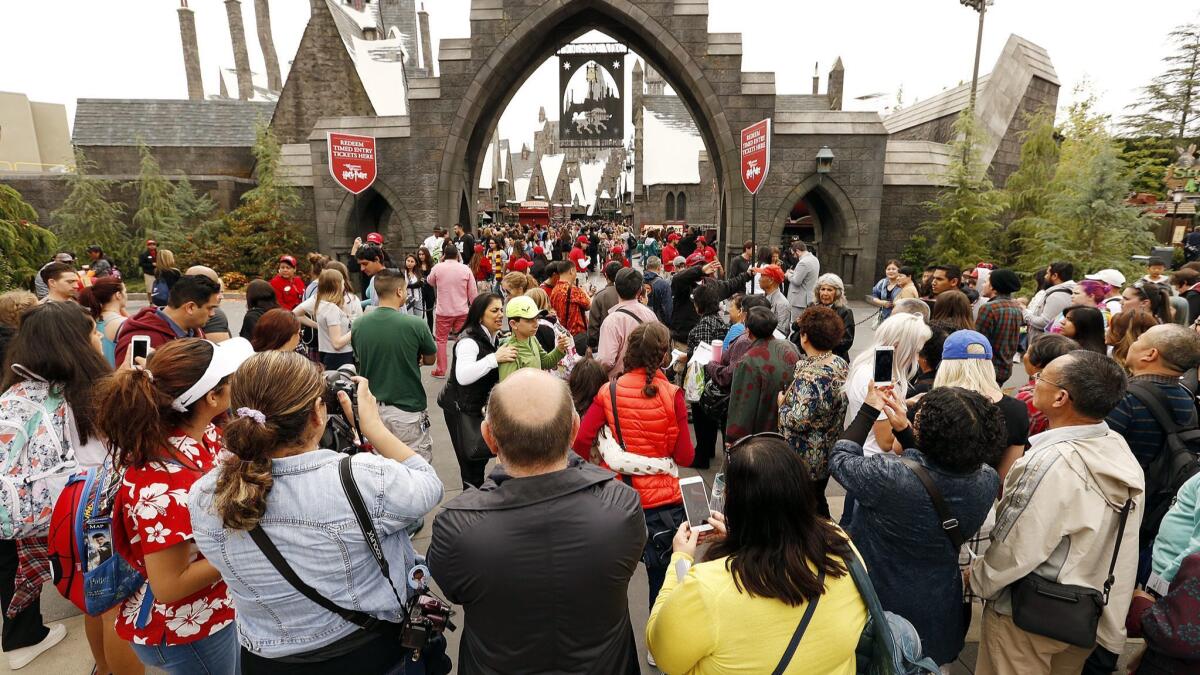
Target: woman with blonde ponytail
pixel 159 424
pixel 281 484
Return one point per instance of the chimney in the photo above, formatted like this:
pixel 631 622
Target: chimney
pixel 426 41
pixel 834 88
pixel 816 79
pixel 241 59
pixel 262 21
pixel 542 115
pixel 191 52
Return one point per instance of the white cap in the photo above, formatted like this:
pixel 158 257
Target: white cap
pixel 1109 276
pixel 227 357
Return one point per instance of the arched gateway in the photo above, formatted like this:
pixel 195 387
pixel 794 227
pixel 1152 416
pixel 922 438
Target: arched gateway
pixel 432 131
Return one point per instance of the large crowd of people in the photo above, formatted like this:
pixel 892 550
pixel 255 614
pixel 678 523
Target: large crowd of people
pixel 247 490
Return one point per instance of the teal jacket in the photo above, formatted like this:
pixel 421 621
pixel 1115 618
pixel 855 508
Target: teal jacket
pixel 1179 535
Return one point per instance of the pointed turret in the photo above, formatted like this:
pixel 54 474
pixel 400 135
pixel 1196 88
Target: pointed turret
pixel 834 89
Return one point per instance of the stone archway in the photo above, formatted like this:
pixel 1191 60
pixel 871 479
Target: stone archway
pixel 377 209
pixel 538 36
pixel 835 225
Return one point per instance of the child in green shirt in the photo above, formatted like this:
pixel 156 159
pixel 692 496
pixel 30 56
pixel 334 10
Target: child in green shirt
pixel 523 315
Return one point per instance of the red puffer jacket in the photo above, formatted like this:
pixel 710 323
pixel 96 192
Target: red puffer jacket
pixel 649 427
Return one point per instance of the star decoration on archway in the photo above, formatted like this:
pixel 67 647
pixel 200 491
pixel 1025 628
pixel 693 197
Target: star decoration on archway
pixel 566 65
pixel 616 65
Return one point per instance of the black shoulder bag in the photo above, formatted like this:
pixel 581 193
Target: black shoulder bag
pixel 949 522
pixel 363 620
pixel 1175 464
pixel 1061 611
pixel 799 634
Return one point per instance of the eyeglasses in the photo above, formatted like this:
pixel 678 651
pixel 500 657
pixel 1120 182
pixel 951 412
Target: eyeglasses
pixel 1038 377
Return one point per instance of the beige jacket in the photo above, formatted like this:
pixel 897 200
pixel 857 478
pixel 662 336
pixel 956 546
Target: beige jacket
pixel 1059 518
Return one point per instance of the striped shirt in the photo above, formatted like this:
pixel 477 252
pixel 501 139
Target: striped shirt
pixel 1134 421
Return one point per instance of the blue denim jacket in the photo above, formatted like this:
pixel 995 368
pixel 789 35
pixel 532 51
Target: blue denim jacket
pixel 311 523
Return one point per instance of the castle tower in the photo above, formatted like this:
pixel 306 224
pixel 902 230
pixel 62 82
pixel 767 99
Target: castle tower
pixel 637 80
pixel 834 88
pixel 655 85
pixel 426 41
pixel 191 52
pixel 241 58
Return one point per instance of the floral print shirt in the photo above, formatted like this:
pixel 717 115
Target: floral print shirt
pixel 150 514
pixel 813 407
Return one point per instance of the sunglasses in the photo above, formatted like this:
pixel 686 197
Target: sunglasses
pixel 744 439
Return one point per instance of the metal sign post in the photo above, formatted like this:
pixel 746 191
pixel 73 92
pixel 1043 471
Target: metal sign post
pixel 756 162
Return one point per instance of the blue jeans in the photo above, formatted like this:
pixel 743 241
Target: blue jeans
pixel 217 654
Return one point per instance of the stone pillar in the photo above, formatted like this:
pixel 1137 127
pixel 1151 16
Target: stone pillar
pixel 426 41
pixel 191 52
pixel 636 101
pixel 241 58
pixel 262 21
pixel 834 88
pixel 816 80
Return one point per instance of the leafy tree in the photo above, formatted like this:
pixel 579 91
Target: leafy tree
pixel 24 246
pixel 87 217
pixel 965 211
pixel 251 238
pixel 916 253
pixel 156 217
pixel 1148 159
pixel 1170 104
pixel 1086 221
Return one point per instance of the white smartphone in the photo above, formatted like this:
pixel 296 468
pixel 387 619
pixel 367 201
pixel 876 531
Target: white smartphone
pixel 695 503
pixel 884 359
pixel 140 344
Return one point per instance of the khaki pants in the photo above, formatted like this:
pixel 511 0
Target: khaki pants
pixel 410 427
pixel 1005 649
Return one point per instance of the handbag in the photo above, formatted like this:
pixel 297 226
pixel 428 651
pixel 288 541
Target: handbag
pixel 888 645
pixel 714 400
pixel 471 436
pixel 1064 612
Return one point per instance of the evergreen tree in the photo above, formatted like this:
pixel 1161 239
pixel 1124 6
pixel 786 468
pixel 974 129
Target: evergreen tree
pixel 24 246
pixel 87 217
pixel 1027 191
pixel 1170 104
pixel 1148 159
pixel 156 217
pixel 194 208
pixel 251 238
pixel 1086 220
pixel 966 210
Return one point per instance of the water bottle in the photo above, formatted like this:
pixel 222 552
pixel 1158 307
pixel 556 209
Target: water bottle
pixel 717 501
pixel 716 350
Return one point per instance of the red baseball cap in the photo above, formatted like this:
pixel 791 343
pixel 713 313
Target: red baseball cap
pixel 674 236
pixel 696 258
pixel 519 265
pixel 701 240
pixel 375 238
pixel 773 272
pixel 538 250
pixel 151 242
pixel 617 249
pixel 583 240
pixel 287 259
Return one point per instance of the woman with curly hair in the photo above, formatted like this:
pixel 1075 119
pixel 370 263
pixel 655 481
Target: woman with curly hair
pixel 654 427
pixel 897 530
pixel 1124 328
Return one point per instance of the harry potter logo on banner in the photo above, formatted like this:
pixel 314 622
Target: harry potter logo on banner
pixel 592 96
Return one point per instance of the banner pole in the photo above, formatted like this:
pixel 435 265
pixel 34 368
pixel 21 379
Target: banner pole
pixel 754 228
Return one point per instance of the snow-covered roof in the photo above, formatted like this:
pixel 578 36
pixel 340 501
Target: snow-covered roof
pixel 671 143
pixel 604 195
pixel 521 189
pixel 485 176
pixel 551 166
pixel 368 18
pixel 590 174
pixel 380 65
pixel 578 196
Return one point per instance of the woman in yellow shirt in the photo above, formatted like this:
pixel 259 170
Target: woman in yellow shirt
pixel 738 609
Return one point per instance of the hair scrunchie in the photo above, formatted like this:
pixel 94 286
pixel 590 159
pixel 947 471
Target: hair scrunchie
pixel 253 414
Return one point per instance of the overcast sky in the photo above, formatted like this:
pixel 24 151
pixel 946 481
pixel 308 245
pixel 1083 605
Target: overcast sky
pixel 67 49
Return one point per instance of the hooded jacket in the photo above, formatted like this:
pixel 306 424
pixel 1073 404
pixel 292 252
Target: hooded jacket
pixel 541 566
pixel 1059 518
pixel 660 296
pixel 151 322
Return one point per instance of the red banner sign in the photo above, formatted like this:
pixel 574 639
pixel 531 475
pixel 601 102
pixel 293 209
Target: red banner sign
pixel 756 154
pixel 352 161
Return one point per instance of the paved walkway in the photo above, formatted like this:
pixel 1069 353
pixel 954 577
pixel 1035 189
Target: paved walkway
pixel 71 657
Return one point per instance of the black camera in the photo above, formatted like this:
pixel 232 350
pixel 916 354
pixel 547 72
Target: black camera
pixel 336 381
pixel 428 618
pixel 341 433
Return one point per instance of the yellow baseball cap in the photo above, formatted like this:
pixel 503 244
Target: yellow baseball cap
pixel 523 307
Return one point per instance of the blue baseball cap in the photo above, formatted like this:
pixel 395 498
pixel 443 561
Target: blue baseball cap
pixel 966 344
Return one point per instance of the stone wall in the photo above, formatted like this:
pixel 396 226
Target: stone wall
pixel 940 130
pixel 235 162
pixel 1041 95
pixel 902 214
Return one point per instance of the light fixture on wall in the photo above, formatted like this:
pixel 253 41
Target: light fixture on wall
pixel 824 160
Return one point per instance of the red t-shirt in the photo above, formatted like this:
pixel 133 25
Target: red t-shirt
pixel 288 292
pixel 669 253
pixel 150 514
pixel 576 255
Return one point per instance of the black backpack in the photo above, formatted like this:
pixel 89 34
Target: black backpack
pixel 1178 461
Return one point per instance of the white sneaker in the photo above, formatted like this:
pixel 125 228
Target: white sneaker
pixel 19 658
pixel 650 659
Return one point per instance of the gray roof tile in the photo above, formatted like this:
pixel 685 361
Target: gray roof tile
pixel 168 122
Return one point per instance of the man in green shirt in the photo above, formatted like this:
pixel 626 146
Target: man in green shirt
pixel 391 347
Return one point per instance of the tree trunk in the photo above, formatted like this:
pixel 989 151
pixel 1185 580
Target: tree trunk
pixel 1187 97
